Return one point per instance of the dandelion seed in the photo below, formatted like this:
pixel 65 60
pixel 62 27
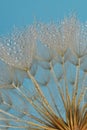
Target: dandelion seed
pixel 19 49
pixel 57 37
pixel 9 75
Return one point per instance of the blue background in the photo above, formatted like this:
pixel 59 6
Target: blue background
pixel 24 12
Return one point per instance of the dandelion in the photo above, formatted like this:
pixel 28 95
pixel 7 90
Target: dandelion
pixel 53 95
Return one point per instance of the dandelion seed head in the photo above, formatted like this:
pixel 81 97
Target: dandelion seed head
pixel 54 94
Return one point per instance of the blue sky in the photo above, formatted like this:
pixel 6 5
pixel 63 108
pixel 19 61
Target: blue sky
pixel 24 12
